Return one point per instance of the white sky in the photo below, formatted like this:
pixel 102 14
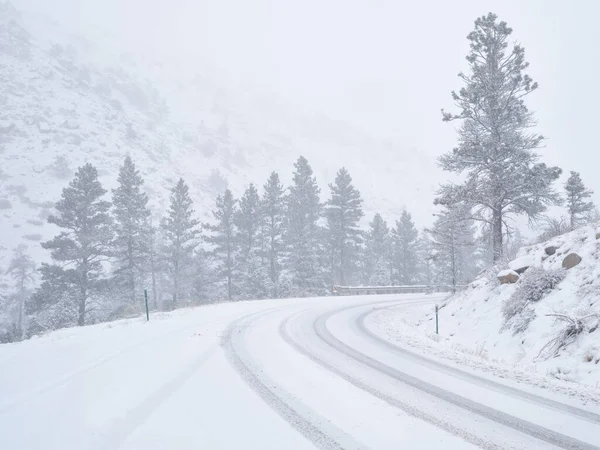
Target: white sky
pixel 385 65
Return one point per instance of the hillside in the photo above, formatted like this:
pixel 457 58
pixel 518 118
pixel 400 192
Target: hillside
pixel 545 324
pixel 67 99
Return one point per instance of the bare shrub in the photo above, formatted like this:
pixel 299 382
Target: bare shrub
pixel 574 326
pixel 534 285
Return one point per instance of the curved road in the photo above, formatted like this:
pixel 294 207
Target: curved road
pixel 341 386
pixel 274 374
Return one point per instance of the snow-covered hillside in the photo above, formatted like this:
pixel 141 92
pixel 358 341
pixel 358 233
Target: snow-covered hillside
pixel 522 325
pixel 66 100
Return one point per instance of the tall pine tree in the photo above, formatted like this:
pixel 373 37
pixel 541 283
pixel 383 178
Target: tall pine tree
pixel 133 238
pixel 497 149
pixel 453 239
pixel 87 237
pixel 273 206
pixel 343 212
pixel 303 234
pixel 578 199
pixel 181 235
pixel 254 275
pixel 247 220
pixel 22 270
pixel 224 238
pixel 404 244
pixel 378 262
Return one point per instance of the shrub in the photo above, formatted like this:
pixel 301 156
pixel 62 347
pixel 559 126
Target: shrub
pixel 534 285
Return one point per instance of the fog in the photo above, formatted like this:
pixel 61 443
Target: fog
pixel 386 66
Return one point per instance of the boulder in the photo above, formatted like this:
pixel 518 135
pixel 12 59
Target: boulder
pixel 520 265
pixel 508 277
pixel 571 260
pixel 598 235
pixel 550 250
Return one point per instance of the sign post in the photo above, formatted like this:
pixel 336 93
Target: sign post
pixel 436 319
pixel 146 298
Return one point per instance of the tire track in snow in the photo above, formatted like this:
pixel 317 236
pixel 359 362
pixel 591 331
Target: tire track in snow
pixel 528 428
pixel 440 366
pixel 307 422
pixel 392 401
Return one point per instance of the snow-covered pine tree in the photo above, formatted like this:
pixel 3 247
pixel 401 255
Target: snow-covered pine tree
pixel 273 206
pixel 303 238
pixel 204 277
pixel 224 238
pixel 378 252
pixel 497 149
pixel 453 239
pixel 153 259
pixel 578 199
pixel 404 248
pixel 343 212
pixel 425 257
pixel 132 240
pixel 182 234
pixel 22 270
pixel 254 275
pixel 247 221
pixel 87 237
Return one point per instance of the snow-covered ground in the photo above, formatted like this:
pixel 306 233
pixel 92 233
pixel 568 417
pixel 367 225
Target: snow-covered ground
pixel 473 330
pixel 294 374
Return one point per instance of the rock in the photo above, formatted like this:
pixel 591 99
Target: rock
pixel 508 277
pixel 597 235
pixel 571 260
pixel 520 265
pixel 550 250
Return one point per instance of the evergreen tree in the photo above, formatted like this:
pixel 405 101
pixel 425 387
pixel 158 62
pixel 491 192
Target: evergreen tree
pixel 87 237
pixel 254 275
pixel 273 204
pixel 378 261
pixel 224 239
pixel 426 258
pixel 303 234
pixel 203 277
pixel 153 260
pixel 21 269
pixel 578 196
pixel 404 243
pixel 453 238
pixel 132 242
pixel 343 212
pixel 497 150
pixel 181 238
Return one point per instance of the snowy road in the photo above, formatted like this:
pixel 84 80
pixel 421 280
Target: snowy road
pixel 293 374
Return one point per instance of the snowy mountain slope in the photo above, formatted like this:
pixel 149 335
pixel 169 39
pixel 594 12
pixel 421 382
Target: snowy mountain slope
pixel 475 321
pixel 66 99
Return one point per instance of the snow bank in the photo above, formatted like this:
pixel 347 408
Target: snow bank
pixel 473 320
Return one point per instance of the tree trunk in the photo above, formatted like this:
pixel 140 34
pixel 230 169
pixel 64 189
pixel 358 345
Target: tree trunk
pixel 272 257
pixel 83 290
pixel 175 283
pixel 497 233
pixel 131 275
pixel 342 262
pixel 229 284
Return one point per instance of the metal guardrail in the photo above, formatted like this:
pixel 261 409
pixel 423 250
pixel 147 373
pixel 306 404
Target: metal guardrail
pixel 377 290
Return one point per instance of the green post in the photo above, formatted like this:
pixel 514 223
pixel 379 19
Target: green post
pixel 148 314
pixel 436 319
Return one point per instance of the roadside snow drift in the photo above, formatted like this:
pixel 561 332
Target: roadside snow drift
pixel 545 322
